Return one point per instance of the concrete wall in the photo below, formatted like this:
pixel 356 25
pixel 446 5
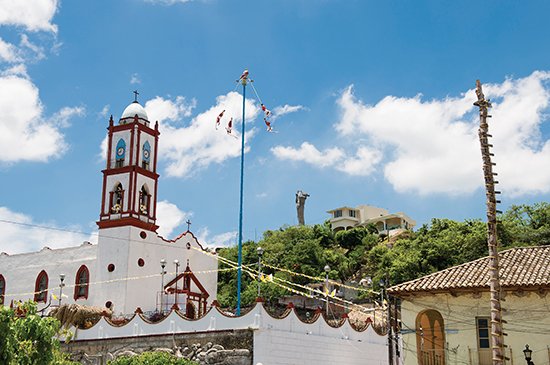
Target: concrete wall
pixel 21 270
pixel 99 351
pixel 279 341
pixel 129 286
pixel 527 314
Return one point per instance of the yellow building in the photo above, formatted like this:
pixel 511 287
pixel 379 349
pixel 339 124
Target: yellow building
pixel 445 316
pixel 385 222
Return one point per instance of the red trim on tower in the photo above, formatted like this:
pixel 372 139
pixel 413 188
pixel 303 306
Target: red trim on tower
pixel 126 169
pixel 144 128
pixel 127 221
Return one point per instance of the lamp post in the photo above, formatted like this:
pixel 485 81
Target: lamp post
pixel 162 272
pixel 528 352
pixel 177 263
pixel 260 252
pixel 327 289
pixel 61 285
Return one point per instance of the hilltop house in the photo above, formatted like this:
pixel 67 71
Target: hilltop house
pixel 363 215
pixel 445 316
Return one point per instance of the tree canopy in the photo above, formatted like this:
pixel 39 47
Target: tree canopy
pixel 28 339
pixel 361 252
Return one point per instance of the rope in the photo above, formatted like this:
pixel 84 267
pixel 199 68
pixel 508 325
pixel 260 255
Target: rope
pixel 255 92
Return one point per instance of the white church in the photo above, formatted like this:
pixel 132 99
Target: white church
pixel 131 266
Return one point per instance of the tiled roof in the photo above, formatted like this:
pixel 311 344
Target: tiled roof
pixel 521 266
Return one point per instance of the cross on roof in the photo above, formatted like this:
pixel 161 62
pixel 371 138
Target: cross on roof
pixel 188 224
pixel 135 95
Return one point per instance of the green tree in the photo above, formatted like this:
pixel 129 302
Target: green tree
pixel 151 358
pixel 28 339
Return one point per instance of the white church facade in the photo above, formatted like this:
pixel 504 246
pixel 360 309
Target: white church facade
pixel 123 271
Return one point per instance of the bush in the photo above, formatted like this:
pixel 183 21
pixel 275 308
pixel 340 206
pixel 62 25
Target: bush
pixel 151 358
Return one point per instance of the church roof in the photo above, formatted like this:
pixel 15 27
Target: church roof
pixel 519 267
pixel 133 109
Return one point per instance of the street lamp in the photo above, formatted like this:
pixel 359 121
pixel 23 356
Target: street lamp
pixel 260 252
pixel 528 352
pixel 61 285
pixel 382 284
pixel 327 270
pixel 177 263
pixel 162 272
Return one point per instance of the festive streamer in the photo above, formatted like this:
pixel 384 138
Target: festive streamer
pixel 117 280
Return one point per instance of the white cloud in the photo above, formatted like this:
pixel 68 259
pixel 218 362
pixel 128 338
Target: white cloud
pixel 167 110
pixel 105 111
pixel 435 143
pixel 8 52
pixel 16 70
pixel 279 111
pixel 431 146
pixel 62 117
pixel 226 239
pixel 25 134
pixel 362 164
pixel 135 79
pixel 21 234
pixel 310 154
pixel 198 144
pixel 170 217
pixel 35 15
pixel 37 52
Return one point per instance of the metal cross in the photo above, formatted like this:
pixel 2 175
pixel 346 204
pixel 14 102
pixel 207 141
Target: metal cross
pixel 188 224
pixel 135 95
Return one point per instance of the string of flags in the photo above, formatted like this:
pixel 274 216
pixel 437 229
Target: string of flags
pixel 280 282
pixel 267 113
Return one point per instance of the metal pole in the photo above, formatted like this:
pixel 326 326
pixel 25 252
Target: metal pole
pixel 61 285
pixel 162 272
pixel 240 258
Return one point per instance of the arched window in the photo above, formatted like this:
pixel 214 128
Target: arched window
pixel 82 282
pixel 41 287
pixel 120 153
pixel 146 155
pixel 430 338
pixel 144 200
pixel 117 196
pixel 2 289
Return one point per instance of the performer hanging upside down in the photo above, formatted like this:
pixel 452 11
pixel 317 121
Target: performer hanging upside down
pixel 229 126
pixel 266 111
pixel 268 124
pixel 219 119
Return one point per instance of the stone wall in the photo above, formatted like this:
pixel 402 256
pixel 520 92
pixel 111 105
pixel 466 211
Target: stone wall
pixel 224 347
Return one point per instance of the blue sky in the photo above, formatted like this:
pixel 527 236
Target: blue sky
pixel 372 104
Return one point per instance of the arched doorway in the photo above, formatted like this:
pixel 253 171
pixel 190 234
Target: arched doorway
pixel 430 338
pixel 190 310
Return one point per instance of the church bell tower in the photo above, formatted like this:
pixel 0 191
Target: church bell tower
pixel 130 180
